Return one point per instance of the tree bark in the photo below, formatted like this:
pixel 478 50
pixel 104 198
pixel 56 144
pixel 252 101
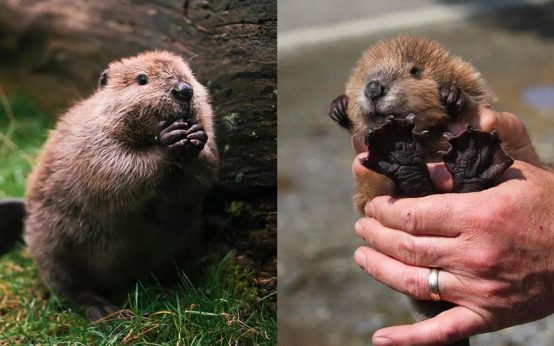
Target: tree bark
pixel 54 50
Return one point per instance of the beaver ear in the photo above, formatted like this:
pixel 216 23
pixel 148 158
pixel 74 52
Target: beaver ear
pixel 103 80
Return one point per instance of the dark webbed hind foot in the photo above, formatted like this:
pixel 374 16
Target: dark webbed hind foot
pixel 97 308
pixel 337 112
pixel 396 152
pixel 475 160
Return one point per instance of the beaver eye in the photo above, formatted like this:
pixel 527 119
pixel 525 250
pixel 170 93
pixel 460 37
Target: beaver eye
pixel 415 71
pixel 142 79
pixel 103 81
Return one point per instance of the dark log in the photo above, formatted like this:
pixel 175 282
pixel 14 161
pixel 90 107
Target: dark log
pixel 53 52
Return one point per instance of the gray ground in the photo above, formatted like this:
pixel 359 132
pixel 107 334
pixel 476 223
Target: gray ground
pixel 295 14
pixel 324 298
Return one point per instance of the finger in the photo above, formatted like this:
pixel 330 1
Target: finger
pixel 432 215
pixel 162 125
pixel 177 146
pixel 195 128
pixel 421 251
pixel 440 177
pixel 361 173
pixel 452 95
pixel 357 146
pixel 177 125
pixel 451 325
pixel 518 171
pixel 167 138
pixel 503 122
pixel 404 278
pixel 200 135
pixel 512 132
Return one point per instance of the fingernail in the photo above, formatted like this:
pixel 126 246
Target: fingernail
pixel 370 209
pixel 359 258
pixel 358 228
pixel 380 341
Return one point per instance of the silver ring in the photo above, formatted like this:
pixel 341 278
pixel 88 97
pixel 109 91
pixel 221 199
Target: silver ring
pixel 434 284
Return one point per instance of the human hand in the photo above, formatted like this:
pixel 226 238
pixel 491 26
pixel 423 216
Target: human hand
pixel 494 248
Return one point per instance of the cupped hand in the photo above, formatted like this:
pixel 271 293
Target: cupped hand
pixel 494 248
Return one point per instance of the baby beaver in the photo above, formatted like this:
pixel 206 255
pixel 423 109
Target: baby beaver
pixel 118 188
pixel 399 100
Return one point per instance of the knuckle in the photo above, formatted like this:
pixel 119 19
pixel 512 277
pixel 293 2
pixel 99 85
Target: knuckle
pixel 486 261
pixel 413 285
pixel 406 251
pixel 410 221
pixel 491 291
pixel 493 216
pixel 449 333
pixel 370 209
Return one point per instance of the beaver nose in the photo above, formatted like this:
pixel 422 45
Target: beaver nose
pixel 182 91
pixel 374 89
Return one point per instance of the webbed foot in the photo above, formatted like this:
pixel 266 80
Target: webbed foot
pixel 475 160
pixel 396 152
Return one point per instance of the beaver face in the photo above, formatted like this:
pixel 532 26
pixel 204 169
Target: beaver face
pixel 399 90
pixel 152 86
pixel 398 77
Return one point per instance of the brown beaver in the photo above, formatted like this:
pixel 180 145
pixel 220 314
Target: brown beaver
pixel 118 188
pixel 399 100
pixel 402 76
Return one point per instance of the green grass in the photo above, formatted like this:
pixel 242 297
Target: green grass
pixel 23 129
pixel 223 309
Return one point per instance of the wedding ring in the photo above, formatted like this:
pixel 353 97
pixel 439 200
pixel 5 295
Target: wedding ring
pixel 434 284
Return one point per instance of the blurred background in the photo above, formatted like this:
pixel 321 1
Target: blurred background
pixel 324 298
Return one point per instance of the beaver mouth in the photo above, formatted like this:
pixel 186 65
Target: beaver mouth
pixel 376 119
pixel 185 113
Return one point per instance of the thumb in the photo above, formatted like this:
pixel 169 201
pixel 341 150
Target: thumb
pixel 449 326
pixel 440 177
pixel 361 174
pixel 357 146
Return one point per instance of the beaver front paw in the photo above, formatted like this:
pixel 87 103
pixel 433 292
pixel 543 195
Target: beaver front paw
pixel 453 98
pixel 182 137
pixel 475 160
pixel 396 152
pixel 337 112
